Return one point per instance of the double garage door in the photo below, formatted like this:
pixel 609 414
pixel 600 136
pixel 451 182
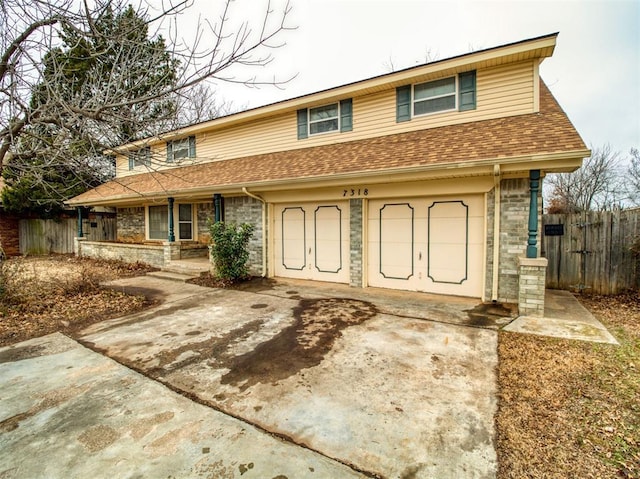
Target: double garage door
pixel 419 244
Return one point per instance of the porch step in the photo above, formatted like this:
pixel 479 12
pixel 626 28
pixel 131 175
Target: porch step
pixel 180 277
pixel 193 266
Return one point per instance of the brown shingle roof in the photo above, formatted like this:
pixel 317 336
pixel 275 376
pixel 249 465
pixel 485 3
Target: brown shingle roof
pixel 546 132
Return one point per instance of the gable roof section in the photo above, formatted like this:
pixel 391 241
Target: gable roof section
pixel 547 135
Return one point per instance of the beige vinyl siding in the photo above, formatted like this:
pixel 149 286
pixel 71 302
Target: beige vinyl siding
pixel 503 90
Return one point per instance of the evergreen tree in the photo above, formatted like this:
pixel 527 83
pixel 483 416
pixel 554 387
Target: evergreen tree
pixel 56 161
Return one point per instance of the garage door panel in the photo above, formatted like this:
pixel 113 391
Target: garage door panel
pixel 448 263
pixel 433 244
pixel 312 241
pixel 395 225
pixel 447 241
pixel 294 246
pixel 328 239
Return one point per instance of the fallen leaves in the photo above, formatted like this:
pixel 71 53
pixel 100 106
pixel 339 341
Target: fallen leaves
pixel 42 295
pixel 570 408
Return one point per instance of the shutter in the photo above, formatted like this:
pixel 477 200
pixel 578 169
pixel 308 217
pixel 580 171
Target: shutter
pixel 169 152
pixel 302 124
pixel 346 115
pixel 192 146
pixel 403 103
pixel 467 98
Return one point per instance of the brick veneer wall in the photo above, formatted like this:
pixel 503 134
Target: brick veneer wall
pixel 130 225
pixel 130 253
pixel 244 209
pixel 355 242
pixel 514 220
pixel 204 215
pixel 9 234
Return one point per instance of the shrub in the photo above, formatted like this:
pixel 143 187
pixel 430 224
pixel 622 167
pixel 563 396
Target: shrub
pixel 230 250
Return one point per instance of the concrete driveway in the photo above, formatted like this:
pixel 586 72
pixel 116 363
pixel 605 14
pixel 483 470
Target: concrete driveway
pixel 301 381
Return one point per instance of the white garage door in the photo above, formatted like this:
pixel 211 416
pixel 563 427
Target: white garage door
pixel 427 244
pixel 312 241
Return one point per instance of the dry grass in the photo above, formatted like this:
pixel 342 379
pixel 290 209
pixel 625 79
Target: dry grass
pixel 570 408
pixel 42 295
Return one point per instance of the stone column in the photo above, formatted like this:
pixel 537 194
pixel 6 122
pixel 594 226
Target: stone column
pixel 77 245
pixel 532 277
pixel 171 251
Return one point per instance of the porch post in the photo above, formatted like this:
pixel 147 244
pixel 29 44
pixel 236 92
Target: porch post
pixel 534 185
pixel 79 210
pixel 217 207
pixel 172 236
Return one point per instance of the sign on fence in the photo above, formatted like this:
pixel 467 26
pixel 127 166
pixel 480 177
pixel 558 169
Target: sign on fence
pixel 554 230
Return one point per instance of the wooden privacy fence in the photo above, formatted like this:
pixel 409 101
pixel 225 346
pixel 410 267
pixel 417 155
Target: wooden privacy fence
pixel 592 251
pixel 56 236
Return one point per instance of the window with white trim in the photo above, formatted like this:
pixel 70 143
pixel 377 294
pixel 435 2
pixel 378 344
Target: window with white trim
pixel 446 94
pixel 434 96
pixel 324 119
pixel 185 222
pixel 158 222
pixel 141 157
pixel 181 149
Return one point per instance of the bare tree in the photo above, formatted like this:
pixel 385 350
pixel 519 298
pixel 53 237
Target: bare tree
pixel 633 177
pixel 200 103
pixel 595 186
pixel 219 50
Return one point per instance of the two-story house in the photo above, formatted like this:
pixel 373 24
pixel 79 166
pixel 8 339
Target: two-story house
pixel 424 179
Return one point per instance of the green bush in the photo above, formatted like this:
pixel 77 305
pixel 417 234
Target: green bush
pixel 230 250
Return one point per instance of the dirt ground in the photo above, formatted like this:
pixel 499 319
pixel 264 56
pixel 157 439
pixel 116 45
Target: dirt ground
pixel 566 408
pixel 42 295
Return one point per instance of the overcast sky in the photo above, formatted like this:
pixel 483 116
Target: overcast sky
pixel 594 72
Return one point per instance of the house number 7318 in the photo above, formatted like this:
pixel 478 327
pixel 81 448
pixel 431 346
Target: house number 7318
pixel 355 192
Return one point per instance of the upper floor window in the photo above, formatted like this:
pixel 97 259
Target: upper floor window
pixel 325 119
pixel 141 157
pixel 433 96
pixel 446 94
pixel 179 150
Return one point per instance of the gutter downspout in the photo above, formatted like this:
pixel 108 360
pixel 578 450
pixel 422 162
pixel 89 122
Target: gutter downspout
pixel 496 232
pixel 264 228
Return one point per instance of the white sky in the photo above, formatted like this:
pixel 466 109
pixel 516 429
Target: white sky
pixel 594 72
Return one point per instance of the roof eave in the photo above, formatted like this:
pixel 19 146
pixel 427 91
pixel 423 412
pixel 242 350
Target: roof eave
pixel 548 162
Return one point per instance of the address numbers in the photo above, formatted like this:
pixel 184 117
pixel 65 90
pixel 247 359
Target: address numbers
pixel 355 192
